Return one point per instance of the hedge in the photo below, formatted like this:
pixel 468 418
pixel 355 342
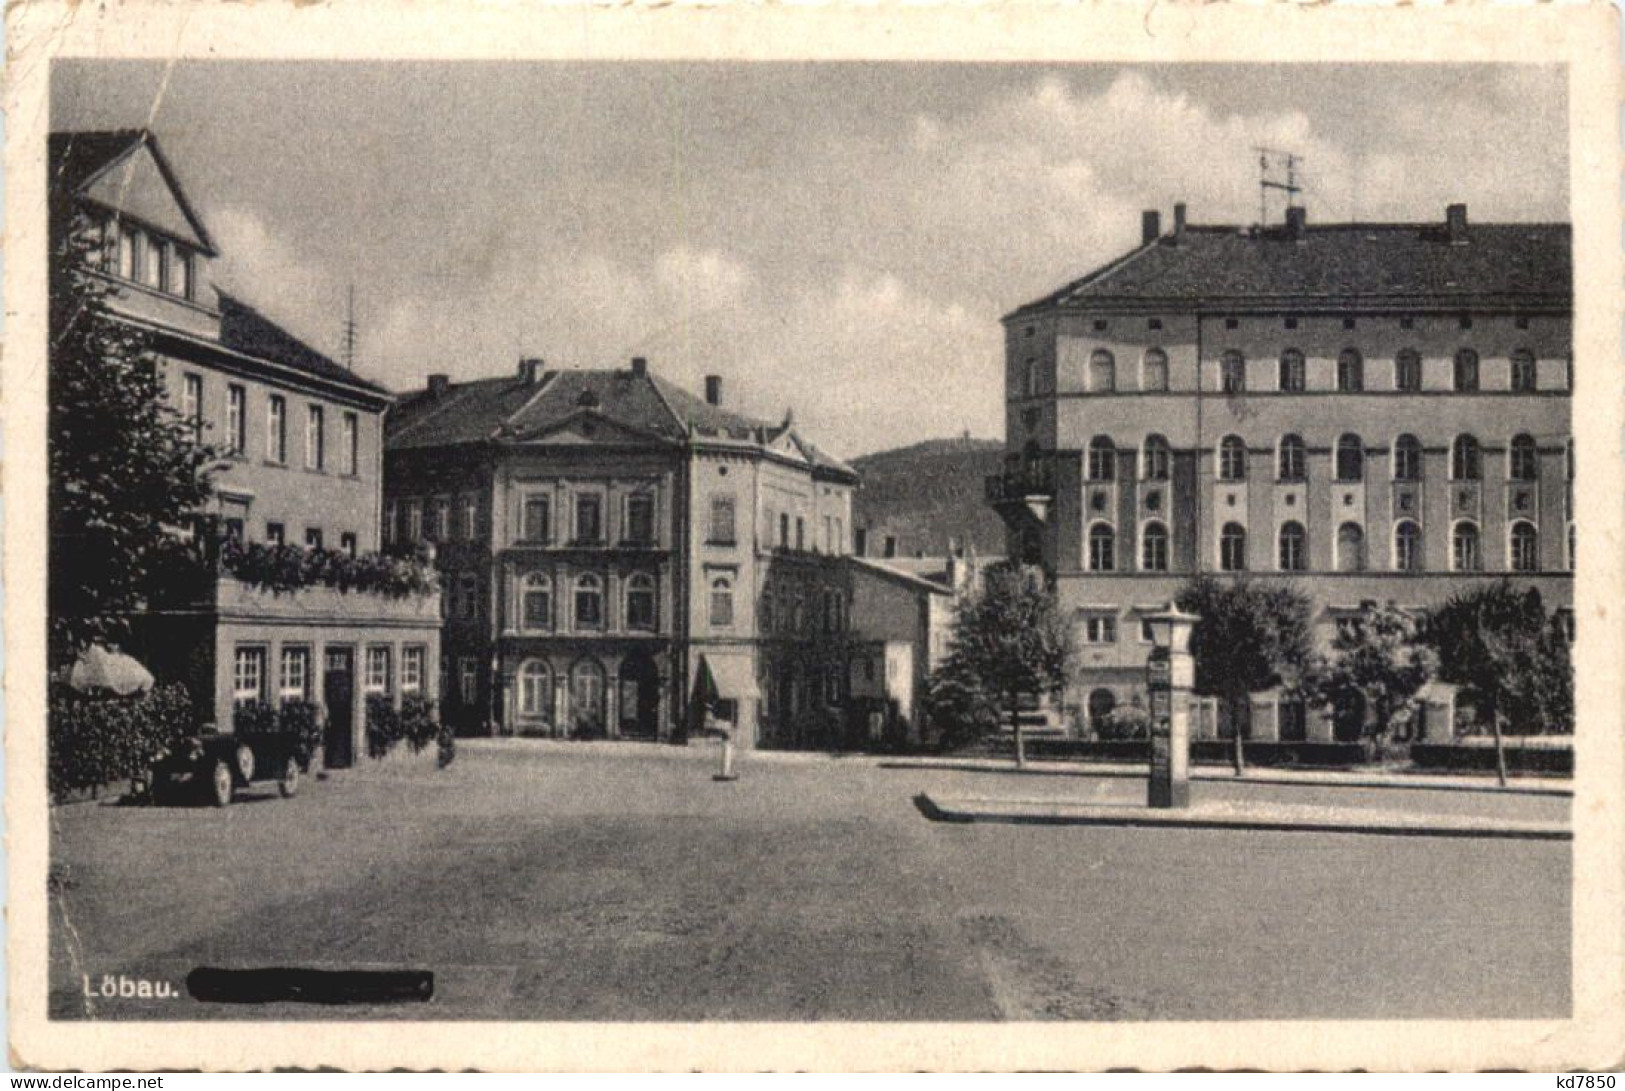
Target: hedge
pixel 95 741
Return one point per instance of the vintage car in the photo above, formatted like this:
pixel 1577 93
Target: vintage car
pixel 210 766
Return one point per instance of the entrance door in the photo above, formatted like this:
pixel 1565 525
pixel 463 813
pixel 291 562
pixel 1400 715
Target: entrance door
pixel 338 696
pixel 639 697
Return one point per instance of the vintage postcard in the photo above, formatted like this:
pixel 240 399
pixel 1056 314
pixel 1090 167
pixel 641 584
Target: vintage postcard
pixel 993 537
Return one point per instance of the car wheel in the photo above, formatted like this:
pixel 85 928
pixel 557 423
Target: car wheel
pixel 245 763
pixel 289 784
pixel 220 784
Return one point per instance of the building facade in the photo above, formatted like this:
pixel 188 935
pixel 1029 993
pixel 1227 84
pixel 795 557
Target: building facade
pixel 1376 412
pixel 301 440
pixel 608 540
pixel 902 630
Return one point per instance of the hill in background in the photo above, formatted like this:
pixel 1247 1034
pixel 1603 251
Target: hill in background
pixel 924 495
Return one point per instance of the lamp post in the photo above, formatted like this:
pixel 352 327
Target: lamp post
pixel 1170 673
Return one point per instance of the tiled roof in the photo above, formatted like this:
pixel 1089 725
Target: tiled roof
pixel 245 330
pixel 78 158
pixel 1337 265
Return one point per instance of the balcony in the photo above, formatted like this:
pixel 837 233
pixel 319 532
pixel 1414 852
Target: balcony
pixel 1023 491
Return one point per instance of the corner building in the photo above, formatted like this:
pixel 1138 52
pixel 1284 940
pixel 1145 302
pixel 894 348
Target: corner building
pixel 1372 411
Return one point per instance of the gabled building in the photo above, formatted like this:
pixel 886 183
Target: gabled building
pixel 302 441
pixel 1376 412
pixel 619 552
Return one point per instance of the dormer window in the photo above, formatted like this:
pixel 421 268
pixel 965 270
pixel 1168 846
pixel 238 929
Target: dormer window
pixel 145 258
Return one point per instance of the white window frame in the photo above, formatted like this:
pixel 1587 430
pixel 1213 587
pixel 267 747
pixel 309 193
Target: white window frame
pixel 412 664
pixel 293 674
pixel 276 429
pixel 315 437
pixel 640 583
pixel 192 400
pixel 349 444
pixel 237 419
pixel 539 583
pixel 376 655
pixel 527 532
pixel 248 674
pixel 1097 629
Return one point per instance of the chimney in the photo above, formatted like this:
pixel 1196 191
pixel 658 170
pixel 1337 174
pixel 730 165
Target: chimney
pixel 1455 223
pixel 640 366
pixel 530 369
pixel 713 390
pixel 891 546
pixel 1296 219
pixel 1150 226
pixel 438 385
pixel 1179 223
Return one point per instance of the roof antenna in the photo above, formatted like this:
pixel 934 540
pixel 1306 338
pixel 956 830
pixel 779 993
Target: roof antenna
pixel 1277 169
pixel 350 337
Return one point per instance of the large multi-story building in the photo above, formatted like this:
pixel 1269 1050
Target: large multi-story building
pixel 1373 411
pixel 302 445
pixel 612 544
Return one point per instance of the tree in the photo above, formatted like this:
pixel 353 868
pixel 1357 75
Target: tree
pixel 958 705
pixel 1378 665
pixel 1250 637
pixel 1499 644
pixel 1009 642
pixel 125 468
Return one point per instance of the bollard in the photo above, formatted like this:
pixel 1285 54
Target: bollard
pixel 727 772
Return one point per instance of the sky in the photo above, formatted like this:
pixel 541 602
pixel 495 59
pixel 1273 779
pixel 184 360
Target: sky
pixel 837 238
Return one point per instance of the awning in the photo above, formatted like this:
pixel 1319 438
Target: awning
pixel 100 668
pixel 734 676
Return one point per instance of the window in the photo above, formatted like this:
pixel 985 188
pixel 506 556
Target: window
pixel 1102 372
pixel 128 239
pixel 722 520
pixel 640 601
pixel 1464 552
pixel 391 523
pixel 1408 547
pixel 1102 459
pixel 414 521
pixel 1232 459
pixel 315 438
pixel 468 596
pixel 295 680
pixel 471 517
pixel 1233 548
pixel 349 444
pixel 1407 458
pixel 589 601
pixel 1523 461
pixel 1464 459
pixel 152 261
pixel 347 542
pixel 536 691
pixel 192 403
pixel 1350 371
pixel 1029 377
pixel 784 530
pixel 442 519
pixel 536 600
pixel 1525 547
pixel 1102 548
pixel 1154 548
pixel 1157 458
pixel 1350 457
pixel 412 669
pixel 1154 370
pixel 248 675
pixel 589 518
pixel 840 536
pixel 1523 372
pixel 1292 372
pixel 274 533
pixel 313 537
pixel 1350 548
pixel 180 273
pixel 801 533
pixel 468 679
pixel 1290 459
pixel 1099 629
pixel 722 602
pixel 276 429
pixel 537 518
pixel 1466 373
pixel 1408 371
pixel 640 518
pixel 236 419
pixel 1233 372
pixel 1294 552
pixel 377 678
pixel 1573 548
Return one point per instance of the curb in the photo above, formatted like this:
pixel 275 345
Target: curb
pixel 1049 813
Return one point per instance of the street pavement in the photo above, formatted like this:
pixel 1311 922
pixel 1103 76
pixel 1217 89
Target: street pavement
pixel 620 882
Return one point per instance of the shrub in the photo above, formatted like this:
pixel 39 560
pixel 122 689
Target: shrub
pixel 94 741
pixel 415 722
pixel 254 718
pixel 280 568
pixel 1124 722
pixel 302 719
pixel 419 724
pixel 383 726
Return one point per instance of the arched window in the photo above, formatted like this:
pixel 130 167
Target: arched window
pixel 1465 556
pixel 1350 457
pixel 1350 371
pixel 1291 458
pixel 1233 548
pixel 1525 547
pixel 1232 459
pixel 1154 370
pixel 1523 372
pixel 537 608
pixel 536 691
pixel 1464 459
pixel 1523 461
pixel 1292 371
pixel 1157 458
pixel 1407 458
pixel 1102 459
pixel 1102 548
pixel 589 602
pixel 1294 554
pixel 1102 372
pixel 1407 546
pixel 1154 548
pixel 587 697
pixel 1233 372
pixel 1408 370
pixel 1466 372
pixel 640 601
pixel 1350 548
pixel 722 604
